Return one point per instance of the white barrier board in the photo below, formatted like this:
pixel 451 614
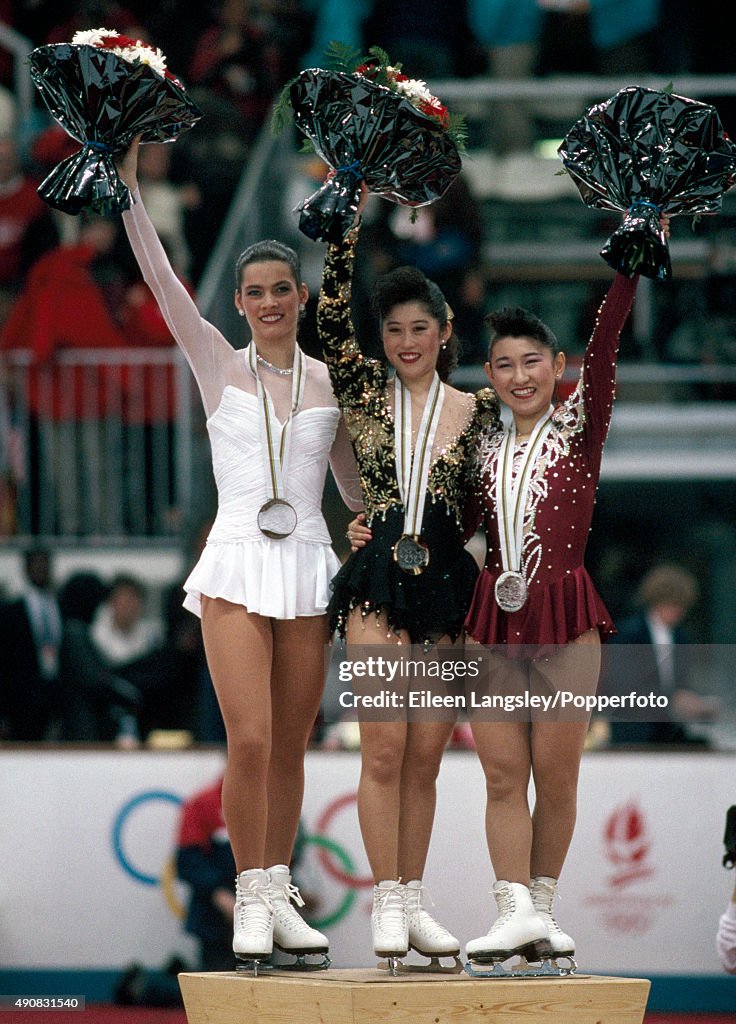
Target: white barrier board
pixel 87 840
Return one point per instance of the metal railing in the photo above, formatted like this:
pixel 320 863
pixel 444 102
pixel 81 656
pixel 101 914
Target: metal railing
pixel 95 444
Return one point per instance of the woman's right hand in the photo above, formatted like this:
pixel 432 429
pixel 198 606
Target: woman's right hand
pixel 364 193
pixel 128 165
pixel 362 199
pixel 358 533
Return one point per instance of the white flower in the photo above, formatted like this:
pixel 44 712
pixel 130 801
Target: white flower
pixel 138 53
pixel 142 54
pixel 92 36
pixel 415 91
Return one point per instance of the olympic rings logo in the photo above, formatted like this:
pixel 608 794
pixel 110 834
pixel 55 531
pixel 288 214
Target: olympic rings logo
pixel 167 879
pixel 333 857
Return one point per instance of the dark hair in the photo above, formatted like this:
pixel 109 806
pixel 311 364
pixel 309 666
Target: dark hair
pixel 81 596
pixel 32 553
pixel 515 322
pixel 264 252
pixel 409 284
pixel 124 579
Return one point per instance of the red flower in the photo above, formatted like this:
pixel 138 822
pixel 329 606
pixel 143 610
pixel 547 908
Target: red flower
pixel 122 42
pixel 433 108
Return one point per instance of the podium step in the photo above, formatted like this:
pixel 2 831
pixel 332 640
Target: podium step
pixel 369 996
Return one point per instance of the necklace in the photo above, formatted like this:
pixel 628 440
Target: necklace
pixel 280 370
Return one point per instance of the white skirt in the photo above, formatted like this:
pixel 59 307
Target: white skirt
pixel 281 579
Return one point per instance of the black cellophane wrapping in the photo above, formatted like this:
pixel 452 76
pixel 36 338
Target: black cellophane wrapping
pixel 365 131
pixel 103 102
pixel 648 154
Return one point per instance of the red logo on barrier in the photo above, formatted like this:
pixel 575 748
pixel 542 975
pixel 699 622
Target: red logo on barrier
pixel 627 845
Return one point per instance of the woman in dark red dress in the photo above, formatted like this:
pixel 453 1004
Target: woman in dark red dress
pixel 535 605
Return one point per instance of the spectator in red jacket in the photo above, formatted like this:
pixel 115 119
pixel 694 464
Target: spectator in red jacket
pixel 66 304
pixel 204 860
pixel 26 227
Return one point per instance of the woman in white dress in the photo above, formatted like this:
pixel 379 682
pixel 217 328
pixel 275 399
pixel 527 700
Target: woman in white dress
pixel 261 585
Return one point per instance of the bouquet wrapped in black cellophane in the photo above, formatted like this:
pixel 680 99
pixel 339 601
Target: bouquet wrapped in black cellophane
pixel 103 100
pixel 649 154
pixel 372 124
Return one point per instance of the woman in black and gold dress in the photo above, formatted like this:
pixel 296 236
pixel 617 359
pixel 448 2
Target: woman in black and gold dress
pixel 415 438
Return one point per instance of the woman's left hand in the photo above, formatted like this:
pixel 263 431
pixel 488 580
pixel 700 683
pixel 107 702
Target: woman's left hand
pixel 358 533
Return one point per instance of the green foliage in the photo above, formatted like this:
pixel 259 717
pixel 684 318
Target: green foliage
pixel 458 131
pixel 342 57
pixel 346 59
pixel 281 115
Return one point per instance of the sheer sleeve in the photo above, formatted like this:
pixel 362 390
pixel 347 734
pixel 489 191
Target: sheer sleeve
pixel 345 469
pixel 206 350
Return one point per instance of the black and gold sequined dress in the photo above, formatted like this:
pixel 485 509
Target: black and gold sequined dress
pixel 436 602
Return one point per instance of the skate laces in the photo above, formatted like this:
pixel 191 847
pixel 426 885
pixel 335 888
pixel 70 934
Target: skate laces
pixel 421 918
pixel 254 904
pixel 389 904
pixel 289 891
pixel 543 896
pixel 505 903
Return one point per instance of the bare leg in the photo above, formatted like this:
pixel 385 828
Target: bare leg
pixel 239 649
pixel 382 746
pixel 425 744
pixel 557 748
pixel 297 683
pixel 505 755
pixel 503 749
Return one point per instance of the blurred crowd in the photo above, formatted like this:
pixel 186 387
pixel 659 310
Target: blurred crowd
pixel 98 661
pixel 116 661
pixel 234 56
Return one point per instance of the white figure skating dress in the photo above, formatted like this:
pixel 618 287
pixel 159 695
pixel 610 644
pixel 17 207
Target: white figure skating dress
pixel 281 578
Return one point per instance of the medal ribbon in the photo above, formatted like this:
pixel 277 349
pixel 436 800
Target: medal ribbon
pixel 412 470
pixel 511 494
pixel 277 466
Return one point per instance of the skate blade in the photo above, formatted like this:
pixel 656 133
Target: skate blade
pixel 394 965
pixel 434 966
pixel 544 967
pixel 301 963
pixel 252 965
pixel 567 967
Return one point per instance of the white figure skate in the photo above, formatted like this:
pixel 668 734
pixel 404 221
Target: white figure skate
pixel 427 936
pixel 291 933
pixel 389 923
pixel 543 892
pixel 517 931
pixel 253 920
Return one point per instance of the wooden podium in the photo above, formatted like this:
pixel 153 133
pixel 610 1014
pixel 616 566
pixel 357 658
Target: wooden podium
pixel 370 996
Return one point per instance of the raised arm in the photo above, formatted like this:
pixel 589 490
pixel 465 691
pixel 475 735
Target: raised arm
pixel 356 379
pixel 203 345
pixel 598 379
pixel 599 363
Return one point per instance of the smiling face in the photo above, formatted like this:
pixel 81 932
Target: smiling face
pixel 524 372
pixel 270 297
pixel 411 340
